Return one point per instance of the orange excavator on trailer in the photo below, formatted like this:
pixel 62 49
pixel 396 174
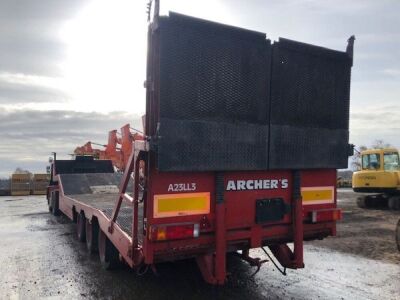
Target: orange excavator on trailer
pixel 127 139
pixel 88 150
pixel 118 148
pixel 112 151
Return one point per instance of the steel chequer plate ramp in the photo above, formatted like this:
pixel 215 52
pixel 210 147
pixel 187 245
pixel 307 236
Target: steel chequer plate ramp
pixel 100 191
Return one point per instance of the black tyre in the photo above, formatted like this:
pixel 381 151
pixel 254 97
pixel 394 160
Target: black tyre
pixel 398 235
pixel 55 204
pixel 394 203
pixel 92 233
pixel 109 255
pixel 81 227
pixel 372 201
pixel 361 202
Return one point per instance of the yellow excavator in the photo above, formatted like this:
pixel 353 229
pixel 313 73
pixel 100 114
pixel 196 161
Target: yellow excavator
pixel 379 177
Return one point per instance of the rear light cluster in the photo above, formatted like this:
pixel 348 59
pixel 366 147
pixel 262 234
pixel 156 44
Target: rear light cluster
pixel 174 231
pixel 325 215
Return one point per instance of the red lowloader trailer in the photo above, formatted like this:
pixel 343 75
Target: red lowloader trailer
pixel 242 141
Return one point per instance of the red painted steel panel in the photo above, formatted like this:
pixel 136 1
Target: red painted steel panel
pixel 240 205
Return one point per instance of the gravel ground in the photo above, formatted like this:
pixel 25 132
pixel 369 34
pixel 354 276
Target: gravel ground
pixel 365 232
pixel 41 258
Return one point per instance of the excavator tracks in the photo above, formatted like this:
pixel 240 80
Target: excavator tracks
pixel 379 201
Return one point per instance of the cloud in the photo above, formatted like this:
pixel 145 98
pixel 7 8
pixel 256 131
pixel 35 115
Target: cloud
pixel 392 72
pixel 29 136
pixel 376 116
pixel 375 122
pixel 31 51
pixel 22 88
pixel 97 48
pixel 29 34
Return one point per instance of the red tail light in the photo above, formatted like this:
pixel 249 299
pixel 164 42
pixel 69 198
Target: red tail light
pixel 173 232
pixel 325 215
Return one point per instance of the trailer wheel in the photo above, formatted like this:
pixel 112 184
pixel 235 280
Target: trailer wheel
pixel 55 204
pixel 81 227
pixel 92 233
pixel 394 203
pixel 109 255
pixel 398 235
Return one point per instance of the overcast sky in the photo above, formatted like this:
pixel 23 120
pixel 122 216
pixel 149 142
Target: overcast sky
pixel 70 71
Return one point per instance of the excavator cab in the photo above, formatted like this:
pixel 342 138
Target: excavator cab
pixel 381 159
pixel 371 161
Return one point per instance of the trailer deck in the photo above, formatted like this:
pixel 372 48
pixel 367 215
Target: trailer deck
pixel 99 191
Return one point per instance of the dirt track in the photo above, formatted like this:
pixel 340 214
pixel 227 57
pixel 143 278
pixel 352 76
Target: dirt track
pixel 41 258
pixel 365 232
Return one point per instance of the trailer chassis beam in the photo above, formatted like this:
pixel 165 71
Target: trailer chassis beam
pixel 213 266
pixel 286 257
